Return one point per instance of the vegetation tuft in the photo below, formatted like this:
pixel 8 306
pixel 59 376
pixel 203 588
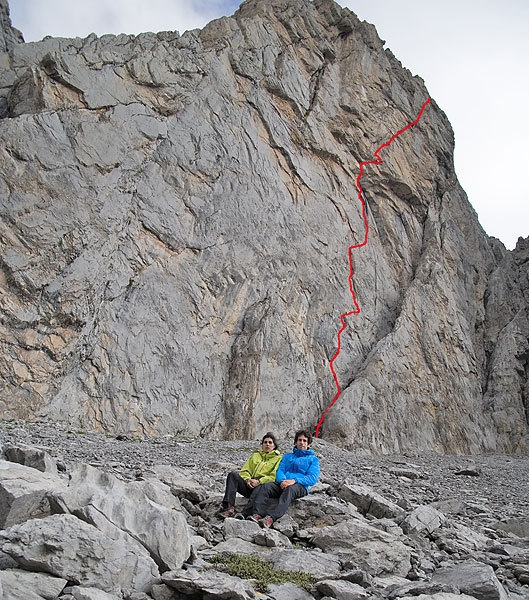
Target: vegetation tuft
pixel 261 572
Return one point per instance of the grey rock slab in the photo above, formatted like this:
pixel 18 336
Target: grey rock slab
pixel 211 584
pixel 319 510
pixel 36 458
pixel 16 584
pixel 320 565
pixel 286 525
pixel 370 502
pixel 518 526
pixel 473 578
pixel 236 528
pixel 458 538
pixel 235 546
pixel 422 518
pixel 142 513
pixel 69 548
pixel 164 592
pixel 91 593
pixel 287 591
pixel 437 596
pixel 24 491
pixel 180 481
pixel 342 590
pixel 272 539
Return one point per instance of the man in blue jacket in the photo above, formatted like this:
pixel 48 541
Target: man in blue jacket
pixel 298 470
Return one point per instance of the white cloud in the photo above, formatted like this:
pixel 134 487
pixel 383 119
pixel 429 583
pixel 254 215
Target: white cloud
pixel 472 55
pixel 71 18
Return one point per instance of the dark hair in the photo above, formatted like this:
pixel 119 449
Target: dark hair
pixel 272 437
pixel 305 433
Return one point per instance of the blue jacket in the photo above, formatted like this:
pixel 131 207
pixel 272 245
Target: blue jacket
pixel 301 465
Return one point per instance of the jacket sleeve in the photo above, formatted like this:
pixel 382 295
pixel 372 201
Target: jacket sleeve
pixel 311 478
pixel 249 467
pixel 271 470
pixel 282 469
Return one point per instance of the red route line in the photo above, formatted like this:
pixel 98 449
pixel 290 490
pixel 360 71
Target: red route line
pixel 356 310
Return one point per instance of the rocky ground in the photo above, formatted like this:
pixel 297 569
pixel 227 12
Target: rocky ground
pixel 485 499
pixel 498 483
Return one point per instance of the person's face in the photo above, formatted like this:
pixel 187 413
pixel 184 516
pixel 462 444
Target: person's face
pixel 302 443
pixel 268 444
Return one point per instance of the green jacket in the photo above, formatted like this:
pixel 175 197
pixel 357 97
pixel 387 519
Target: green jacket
pixel 261 466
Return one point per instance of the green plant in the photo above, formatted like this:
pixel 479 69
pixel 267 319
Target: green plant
pixel 263 573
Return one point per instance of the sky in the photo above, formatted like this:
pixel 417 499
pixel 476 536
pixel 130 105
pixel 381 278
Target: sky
pixel 473 57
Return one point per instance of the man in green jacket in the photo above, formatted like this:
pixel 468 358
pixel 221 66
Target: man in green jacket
pixel 260 468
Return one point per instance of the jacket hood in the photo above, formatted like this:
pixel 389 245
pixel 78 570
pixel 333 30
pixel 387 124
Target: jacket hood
pixel 298 452
pixel 269 454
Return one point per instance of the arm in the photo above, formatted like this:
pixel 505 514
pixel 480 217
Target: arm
pixel 282 469
pixel 248 467
pixel 311 478
pixel 271 475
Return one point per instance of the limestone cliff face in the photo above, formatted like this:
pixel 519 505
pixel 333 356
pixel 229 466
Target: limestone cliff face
pixel 176 212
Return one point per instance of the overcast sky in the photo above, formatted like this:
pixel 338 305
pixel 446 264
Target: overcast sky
pixel 473 57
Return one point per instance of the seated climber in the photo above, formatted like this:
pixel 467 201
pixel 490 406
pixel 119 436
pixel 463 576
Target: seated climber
pixel 259 469
pixel 297 471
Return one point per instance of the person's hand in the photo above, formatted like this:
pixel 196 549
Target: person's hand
pixel 252 483
pixel 286 483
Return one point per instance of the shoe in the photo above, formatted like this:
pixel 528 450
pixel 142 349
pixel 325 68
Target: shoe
pixel 266 521
pixel 254 518
pixel 229 512
pixel 239 516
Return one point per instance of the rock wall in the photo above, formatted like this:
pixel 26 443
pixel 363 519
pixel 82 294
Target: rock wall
pixel 175 216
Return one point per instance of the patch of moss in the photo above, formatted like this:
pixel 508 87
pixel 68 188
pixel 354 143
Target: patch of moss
pixel 260 571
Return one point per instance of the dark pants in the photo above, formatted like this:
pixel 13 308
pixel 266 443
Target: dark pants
pixel 235 483
pixel 259 501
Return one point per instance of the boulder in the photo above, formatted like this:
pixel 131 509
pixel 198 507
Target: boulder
pixel 438 596
pixel 142 513
pixel 24 492
pixel 342 590
pixel 90 593
pixel 287 591
pixel 73 550
pixel 317 564
pixel 36 458
pixel 319 510
pixel 272 539
pixel 367 547
pixel 422 518
pixel 475 579
pixel 245 530
pixel 16 584
pixel 180 481
pixel 458 538
pixel 370 502
pixel 210 584
pixel 518 526
pixel 236 546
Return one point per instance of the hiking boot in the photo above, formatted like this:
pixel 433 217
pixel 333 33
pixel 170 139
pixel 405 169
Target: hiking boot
pixel 254 518
pixel 229 512
pixel 266 521
pixel 239 516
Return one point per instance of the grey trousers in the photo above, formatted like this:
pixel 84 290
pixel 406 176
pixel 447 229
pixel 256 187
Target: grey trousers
pixel 235 483
pixel 264 492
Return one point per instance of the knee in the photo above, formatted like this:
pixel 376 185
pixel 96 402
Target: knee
pixel 267 489
pixel 294 491
pixel 232 476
